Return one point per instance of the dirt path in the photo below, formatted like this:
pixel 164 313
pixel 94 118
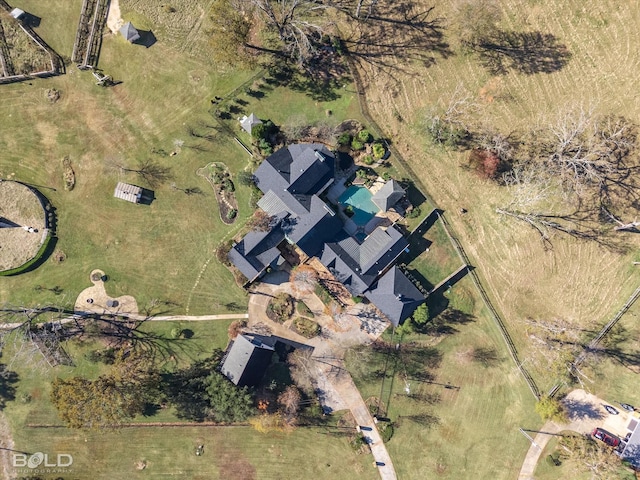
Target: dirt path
pixel 6 444
pixel 161 318
pixel 114 20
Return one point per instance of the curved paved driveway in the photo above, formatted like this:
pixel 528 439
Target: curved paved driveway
pixel 586 413
pixel 334 383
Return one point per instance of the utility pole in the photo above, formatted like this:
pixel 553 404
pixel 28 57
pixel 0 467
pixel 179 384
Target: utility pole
pixel 528 437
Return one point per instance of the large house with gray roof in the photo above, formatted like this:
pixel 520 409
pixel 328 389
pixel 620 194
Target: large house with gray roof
pixel 293 180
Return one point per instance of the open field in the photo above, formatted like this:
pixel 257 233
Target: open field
pixel 150 252
pixel 238 453
pixel 577 281
pixel 462 428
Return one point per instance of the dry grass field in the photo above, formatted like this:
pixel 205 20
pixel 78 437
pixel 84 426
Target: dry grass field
pixel 25 55
pixel 576 281
pixel 19 206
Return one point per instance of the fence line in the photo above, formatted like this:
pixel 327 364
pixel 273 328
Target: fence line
pixel 364 110
pixel 57 65
pixel 598 338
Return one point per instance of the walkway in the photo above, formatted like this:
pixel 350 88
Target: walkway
pixel 167 318
pixel 334 385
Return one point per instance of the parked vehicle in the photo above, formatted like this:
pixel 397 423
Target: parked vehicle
pixel 610 409
pixel 627 407
pixel 606 437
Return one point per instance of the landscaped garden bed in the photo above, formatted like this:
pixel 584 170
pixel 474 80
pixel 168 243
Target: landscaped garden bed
pixel 305 327
pixel 218 176
pixel 280 307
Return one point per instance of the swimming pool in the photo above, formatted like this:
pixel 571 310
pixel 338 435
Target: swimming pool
pixel 360 200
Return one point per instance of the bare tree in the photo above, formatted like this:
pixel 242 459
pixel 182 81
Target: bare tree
pixel 150 170
pixel 302 366
pixel 298 24
pixel 303 279
pixel 290 400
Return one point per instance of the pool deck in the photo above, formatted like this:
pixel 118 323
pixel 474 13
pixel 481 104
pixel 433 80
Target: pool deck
pixel 380 219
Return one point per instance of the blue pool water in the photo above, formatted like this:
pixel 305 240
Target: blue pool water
pixel 360 199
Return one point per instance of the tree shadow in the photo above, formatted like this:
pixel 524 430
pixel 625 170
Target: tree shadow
pixel 425 419
pixel 396 34
pixel 581 410
pixel 524 52
pixel 8 379
pixel 447 322
pixel 321 78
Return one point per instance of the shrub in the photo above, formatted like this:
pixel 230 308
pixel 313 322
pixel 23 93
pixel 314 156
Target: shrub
pixel 486 164
pixel 344 139
pixel 386 432
pixel 357 144
pixel 364 136
pixel 176 332
pixel 280 307
pixel 265 147
pixel 231 214
pixel 25 397
pixel 361 173
pixel 386 176
pixel 378 150
pixel 367 160
pixel 305 327
pixel 356 299
pixel 551 409
pixel 259 131
pixel 348 211
pixel 357 443
pixel 414 212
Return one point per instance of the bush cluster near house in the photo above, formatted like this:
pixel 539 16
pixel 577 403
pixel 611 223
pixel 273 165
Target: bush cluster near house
pixel 305 327
pixel 281 307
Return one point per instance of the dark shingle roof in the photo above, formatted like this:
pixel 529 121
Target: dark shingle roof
pixel 311 230
pixel 390 193
pixel 246 361
pixel 395 296
pixel 361 264
pixel 300 169
pixel 256 251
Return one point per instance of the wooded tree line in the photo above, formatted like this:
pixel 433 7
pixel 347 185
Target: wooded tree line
pixel 134 385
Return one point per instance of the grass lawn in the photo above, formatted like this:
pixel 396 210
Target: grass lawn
pixel 431 255
pixel 163 251
pixel 579 281
pixel 461 428
pixel 614 373
pixel 229 452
